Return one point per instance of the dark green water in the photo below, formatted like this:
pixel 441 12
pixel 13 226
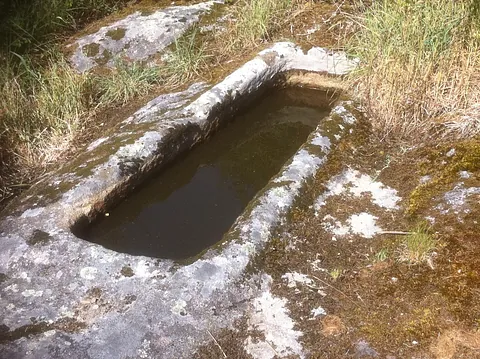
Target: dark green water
pixel 190 205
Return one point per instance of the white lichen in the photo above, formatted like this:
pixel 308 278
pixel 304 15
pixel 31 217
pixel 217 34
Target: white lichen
pixel 295 278
pixel 352 182
pixel 270 316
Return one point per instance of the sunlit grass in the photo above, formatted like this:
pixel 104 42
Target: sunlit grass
pixel 418 246
pixel 420 65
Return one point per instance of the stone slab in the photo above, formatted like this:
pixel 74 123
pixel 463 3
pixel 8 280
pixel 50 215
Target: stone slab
pixel 136 37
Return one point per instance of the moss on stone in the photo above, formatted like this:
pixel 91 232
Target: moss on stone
pixel 39 237
pixel 104 58
pixel 444 171
pixel 127 271
pixel 116 34
pixel 91 50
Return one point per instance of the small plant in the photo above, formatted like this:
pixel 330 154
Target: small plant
pixel 335 273
pixel 417 247
pixel 381 255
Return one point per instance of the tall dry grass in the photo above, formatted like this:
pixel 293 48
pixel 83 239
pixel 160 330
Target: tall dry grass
pixel 420 62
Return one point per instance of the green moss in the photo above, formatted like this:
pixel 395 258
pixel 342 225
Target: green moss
pixel 91 50
pixel 127 271
pixel 117 34
pixel 3 277
pixel 444 172
pixel 422 324
pixel 39 237
pixel 104 58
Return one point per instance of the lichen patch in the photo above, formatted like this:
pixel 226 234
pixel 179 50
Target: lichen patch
pixel 270 317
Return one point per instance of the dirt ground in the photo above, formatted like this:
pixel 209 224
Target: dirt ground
pixel 373 303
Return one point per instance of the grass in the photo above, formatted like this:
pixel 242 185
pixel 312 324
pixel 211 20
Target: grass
pixel 39 106
pixel 257 20
pixel 419 66
pixel 382 255
pixel 30 24
pixel 417 247
pixel 335 273
pixel 126 82
pixel 44 109
pixel 187 59
pixel 45 105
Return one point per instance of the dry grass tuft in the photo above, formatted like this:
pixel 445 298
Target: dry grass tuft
pixel 420 64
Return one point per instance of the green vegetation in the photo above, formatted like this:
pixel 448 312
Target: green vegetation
pixel 38 106
pixel 335 273
pixel 257 20
pixel 419 65
pixel 45 105
pixel 382 255
pixel 29 24
pixel 125 82
pixel 417 247
pixel 187 59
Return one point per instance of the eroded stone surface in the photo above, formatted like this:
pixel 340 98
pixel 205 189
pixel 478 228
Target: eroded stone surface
pixel 80 300
pixel 136 37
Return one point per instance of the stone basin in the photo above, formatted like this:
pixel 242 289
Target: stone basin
pixel 62 296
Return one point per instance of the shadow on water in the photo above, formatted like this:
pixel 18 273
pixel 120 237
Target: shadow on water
pixel 190 205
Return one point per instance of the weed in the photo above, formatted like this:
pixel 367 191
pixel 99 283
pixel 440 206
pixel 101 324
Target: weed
pixel 28 24
pixel 417 246
pixel 187 59
pixel 335 273
pixel 257 20
pixel 41 105
pixel 382 255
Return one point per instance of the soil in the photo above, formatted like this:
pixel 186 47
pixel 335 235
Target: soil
pixel 379 306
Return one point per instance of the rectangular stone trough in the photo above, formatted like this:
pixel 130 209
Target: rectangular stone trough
pixel 61 296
